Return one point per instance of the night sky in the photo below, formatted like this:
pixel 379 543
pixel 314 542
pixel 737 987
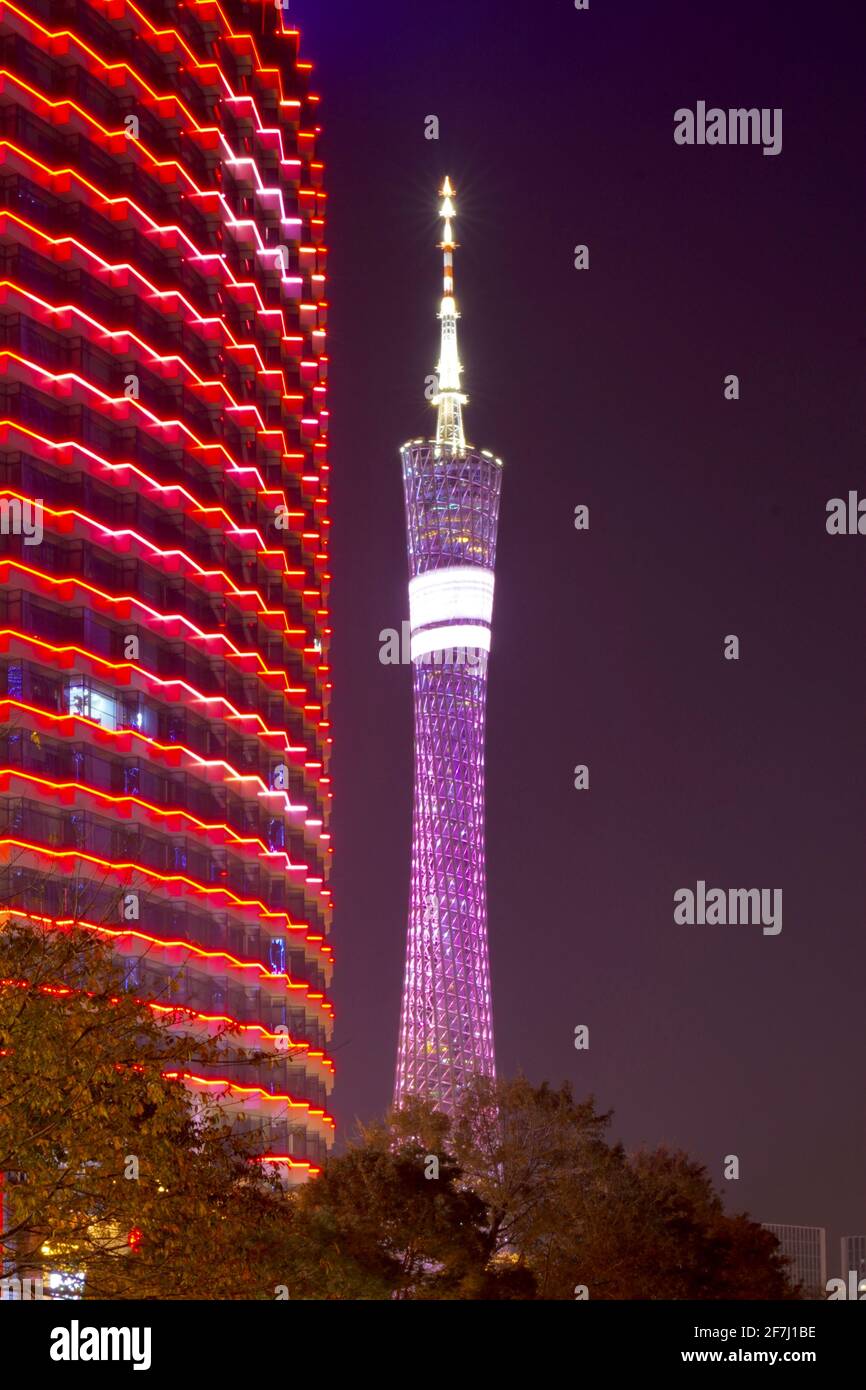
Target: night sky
pixel 707 518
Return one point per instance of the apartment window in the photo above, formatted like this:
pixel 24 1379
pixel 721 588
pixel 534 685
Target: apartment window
pixel 83 699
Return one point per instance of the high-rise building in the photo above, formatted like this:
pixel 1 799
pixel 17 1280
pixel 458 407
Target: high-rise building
pixel 806 1248
pixel 164 678
pixel 452 508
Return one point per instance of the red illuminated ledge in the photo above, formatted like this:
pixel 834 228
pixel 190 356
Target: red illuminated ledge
pixel 286 1043
pixel 167 625
pixel 172 755
pixel 177 1012
pixel 69 658
pixel 172 884
pixel 123 475
pixel 68 792
pixel 310 996
pixel 206 72
pixel 262 1096
pixel 169 367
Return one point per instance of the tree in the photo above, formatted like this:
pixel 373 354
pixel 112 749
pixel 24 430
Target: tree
pixel 576 1210
pixel 113 1170
pixel 400 1214
pixel 517 1144
pixel 700 1251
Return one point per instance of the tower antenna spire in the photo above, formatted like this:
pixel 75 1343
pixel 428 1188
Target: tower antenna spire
pixel 449 399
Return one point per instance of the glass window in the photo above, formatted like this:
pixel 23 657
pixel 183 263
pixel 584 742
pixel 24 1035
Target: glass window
pixel 103 709
pixel 137 715
pixel 132 975
pixel 91 703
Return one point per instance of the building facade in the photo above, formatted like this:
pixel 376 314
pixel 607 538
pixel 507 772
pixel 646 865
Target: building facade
pixel 806 1248
pixel 164 677
pixel 452 495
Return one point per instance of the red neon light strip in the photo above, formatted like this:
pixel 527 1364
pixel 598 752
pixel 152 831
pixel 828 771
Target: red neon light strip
pixel 100 929
pixel 113 867
pixel 128 666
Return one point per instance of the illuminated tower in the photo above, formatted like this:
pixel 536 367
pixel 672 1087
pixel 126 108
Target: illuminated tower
pixel 164 630
pixel 452 508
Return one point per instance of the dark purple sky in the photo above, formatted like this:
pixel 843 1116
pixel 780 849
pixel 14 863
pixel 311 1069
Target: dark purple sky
pixel 707 518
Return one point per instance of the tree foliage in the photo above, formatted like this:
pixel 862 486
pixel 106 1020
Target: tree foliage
pixel 114 1171
pixel 577 1211
pixel 405 1217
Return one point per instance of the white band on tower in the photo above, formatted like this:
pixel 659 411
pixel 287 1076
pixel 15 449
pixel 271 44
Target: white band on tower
pixel 443 639
pixel 443 596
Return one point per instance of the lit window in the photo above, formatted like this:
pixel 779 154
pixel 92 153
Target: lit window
pixel 92 704
pixel 78 700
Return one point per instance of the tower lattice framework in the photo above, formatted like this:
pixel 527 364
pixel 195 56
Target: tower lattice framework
pixel 452 508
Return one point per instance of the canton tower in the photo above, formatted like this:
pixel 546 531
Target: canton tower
pixel 452 509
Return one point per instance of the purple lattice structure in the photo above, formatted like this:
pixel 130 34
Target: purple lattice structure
pixel 446 1026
